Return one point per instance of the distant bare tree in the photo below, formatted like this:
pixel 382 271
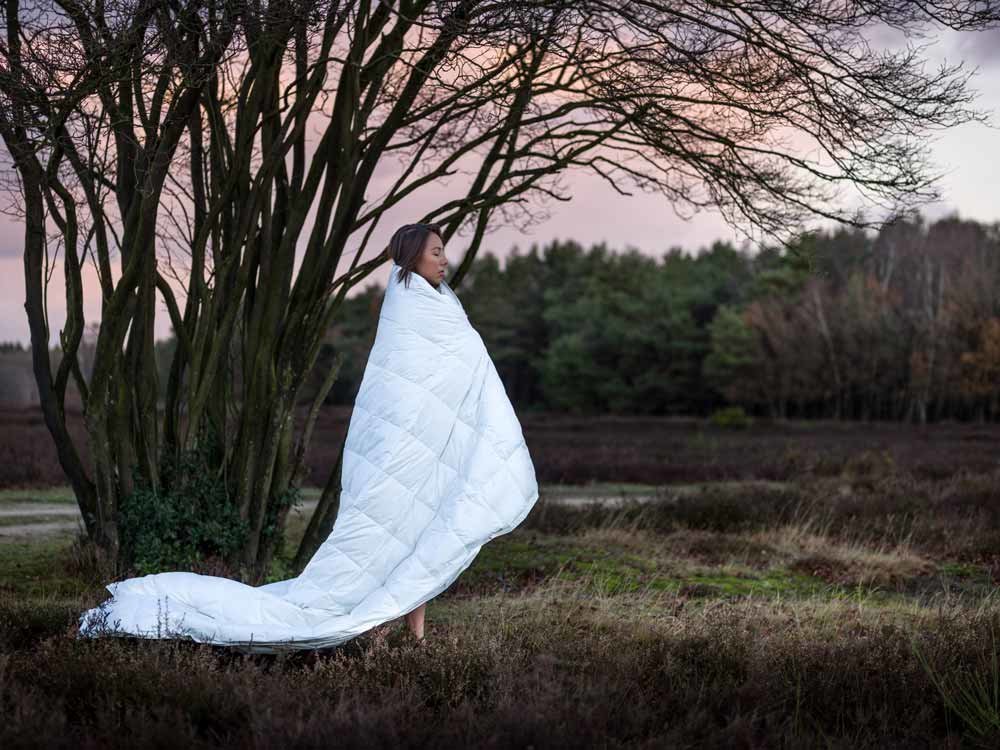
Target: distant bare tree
pixel 180 130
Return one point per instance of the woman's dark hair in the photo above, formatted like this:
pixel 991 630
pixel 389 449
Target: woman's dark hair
pixel 407 244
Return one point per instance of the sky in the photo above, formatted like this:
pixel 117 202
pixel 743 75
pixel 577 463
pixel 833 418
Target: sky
pixel 968 154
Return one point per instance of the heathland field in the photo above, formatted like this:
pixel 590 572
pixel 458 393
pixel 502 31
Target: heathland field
pixel 808 585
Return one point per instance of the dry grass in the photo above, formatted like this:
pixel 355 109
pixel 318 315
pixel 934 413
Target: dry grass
pixel 557 665
pixel 811 616
pixel 807 547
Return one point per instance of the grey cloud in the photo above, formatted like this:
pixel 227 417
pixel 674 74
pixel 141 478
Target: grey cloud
pixel 980 48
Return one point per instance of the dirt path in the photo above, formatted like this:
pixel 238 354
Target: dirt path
pixel 13 510
pixel 50 528
pixel 574 496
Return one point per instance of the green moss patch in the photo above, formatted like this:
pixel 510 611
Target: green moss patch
pixel 516 563
pixel 37 568
pixel 49 495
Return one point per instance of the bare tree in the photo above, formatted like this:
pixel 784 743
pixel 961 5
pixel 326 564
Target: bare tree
pixel 173 130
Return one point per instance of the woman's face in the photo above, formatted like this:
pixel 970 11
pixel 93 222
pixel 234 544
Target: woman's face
pixel 432 264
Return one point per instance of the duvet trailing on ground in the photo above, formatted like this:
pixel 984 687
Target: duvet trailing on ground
pixel 434 467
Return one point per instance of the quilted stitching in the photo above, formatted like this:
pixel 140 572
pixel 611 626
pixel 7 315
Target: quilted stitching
pixel 448 406
pixel 474 497
pixel 434 343
pixel 360 509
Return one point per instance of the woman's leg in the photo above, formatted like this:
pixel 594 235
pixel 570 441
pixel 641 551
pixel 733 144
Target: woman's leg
pixel 415 620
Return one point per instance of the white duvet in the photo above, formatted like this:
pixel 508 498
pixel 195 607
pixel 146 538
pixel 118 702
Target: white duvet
pixel 435 465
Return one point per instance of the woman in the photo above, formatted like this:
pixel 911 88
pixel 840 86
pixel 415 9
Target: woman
pixel 435 465
pixel 417 248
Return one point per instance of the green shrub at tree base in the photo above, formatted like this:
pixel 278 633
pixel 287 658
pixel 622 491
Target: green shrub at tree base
pixel 174 529
pixel 731 416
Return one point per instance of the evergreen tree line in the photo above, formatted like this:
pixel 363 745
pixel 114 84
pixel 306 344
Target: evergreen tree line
pixel 844 324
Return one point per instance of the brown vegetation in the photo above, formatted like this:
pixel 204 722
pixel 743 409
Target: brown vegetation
pixel 653 450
